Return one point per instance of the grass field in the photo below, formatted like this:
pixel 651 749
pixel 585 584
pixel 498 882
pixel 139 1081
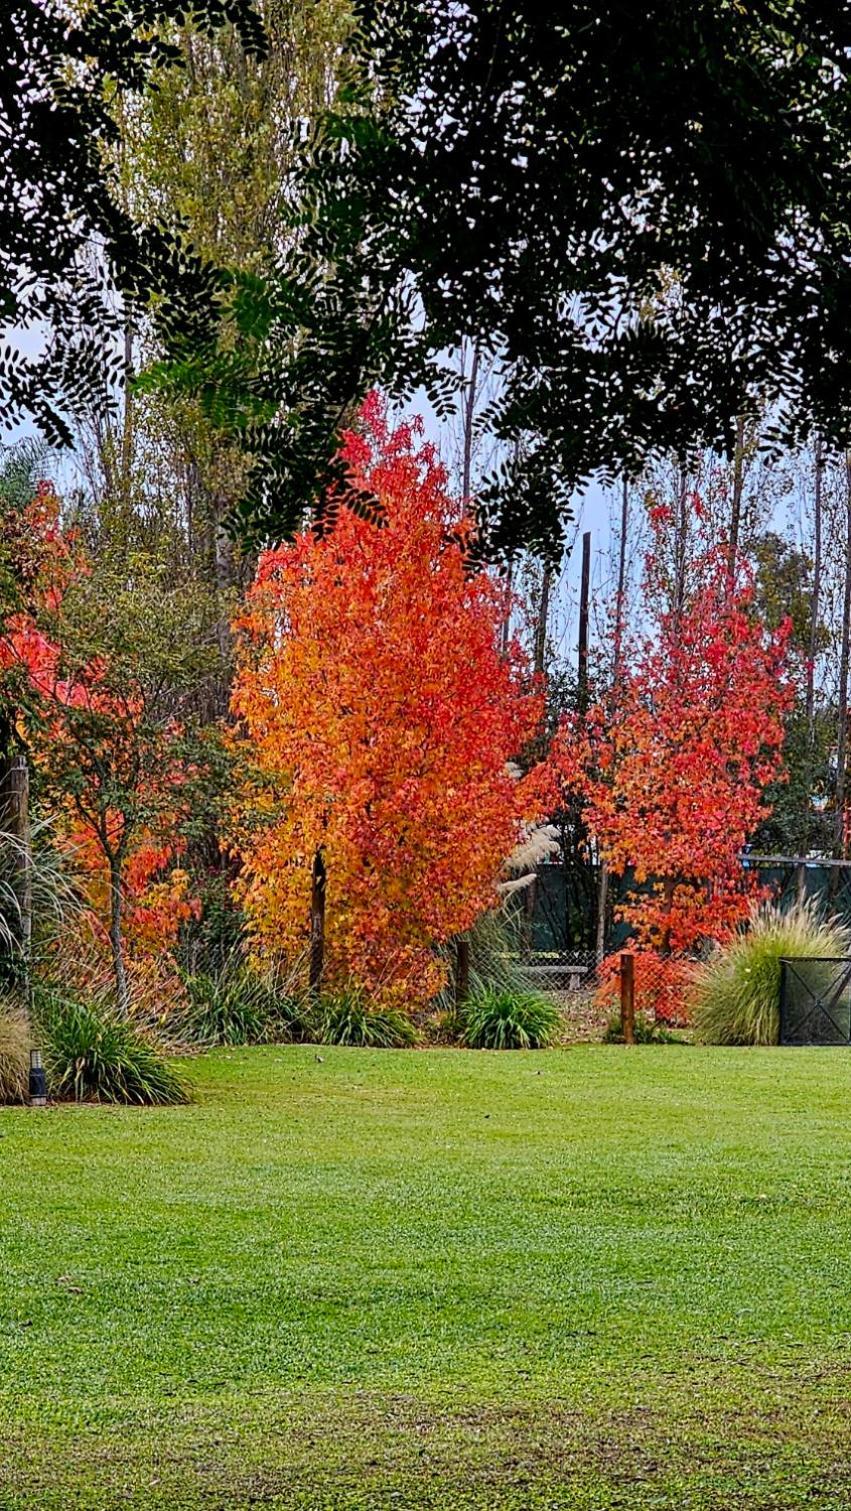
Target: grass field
pixel 591 1278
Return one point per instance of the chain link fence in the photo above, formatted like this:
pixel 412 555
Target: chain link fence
pixel 587 986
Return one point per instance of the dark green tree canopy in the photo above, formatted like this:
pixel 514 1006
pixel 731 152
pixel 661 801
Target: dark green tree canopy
pixel 65 242
pixel 644 210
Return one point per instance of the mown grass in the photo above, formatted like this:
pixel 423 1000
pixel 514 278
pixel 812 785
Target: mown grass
pixel 346 1279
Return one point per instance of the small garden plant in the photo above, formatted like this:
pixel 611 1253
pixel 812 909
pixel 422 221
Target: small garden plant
pixel 92 1053
pixel 499 1019
pixel 735 995
pixel 348 1018
pixel 239 1005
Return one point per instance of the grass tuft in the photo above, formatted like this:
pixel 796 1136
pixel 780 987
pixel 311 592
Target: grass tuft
pixel 497 1019
pixel 239 1006
pixel 348 1018
pixel 92 1054
pixel 736 992
pixel 15 1041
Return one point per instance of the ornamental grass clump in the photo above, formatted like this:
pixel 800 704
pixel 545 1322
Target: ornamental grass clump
pixel 94 1055
pixel 15 1041
pixel 239 1005
pixel 735 995
pixel 497 1019
pixel 348 1018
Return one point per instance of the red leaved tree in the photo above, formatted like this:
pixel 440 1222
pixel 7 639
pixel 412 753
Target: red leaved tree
pixel 109 756
pixel 671 768
pixel 380 716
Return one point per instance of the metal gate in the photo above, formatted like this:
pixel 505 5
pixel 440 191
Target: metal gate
pixel 815 1001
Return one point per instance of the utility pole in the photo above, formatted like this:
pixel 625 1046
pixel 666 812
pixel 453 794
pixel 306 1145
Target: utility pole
pixel 469 420
pixel 584 596
pixel 541 626
pixel 842 710
pixel 603 893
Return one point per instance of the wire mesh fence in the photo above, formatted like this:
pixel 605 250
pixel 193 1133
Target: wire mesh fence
pixel 568 976
pixel 815 1001
pixel 560 972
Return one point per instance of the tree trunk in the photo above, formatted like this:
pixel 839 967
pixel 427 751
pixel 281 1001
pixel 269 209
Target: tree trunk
pixel 116 942
pixel 680 548
pixel 506 622
pixel 602 910
pixel 318 890
pixel 621 591
pixel 738 490
pixel 584 604
pixel 669 889
pixel 127 428
pixel 469 420
pixel 815 610
pixel 842 700
pixel 603 895
pixel 462 972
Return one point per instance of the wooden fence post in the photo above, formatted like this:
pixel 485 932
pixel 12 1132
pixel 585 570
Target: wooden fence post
pixel 628 998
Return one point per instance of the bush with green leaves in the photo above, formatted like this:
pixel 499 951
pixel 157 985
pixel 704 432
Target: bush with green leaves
pixel 495 946
pixel 238 1005
pixel 499 1019
pixel 349 1018
pixel 646 1031
pixel 93 1054
pixel 735 997
pixel 15 1042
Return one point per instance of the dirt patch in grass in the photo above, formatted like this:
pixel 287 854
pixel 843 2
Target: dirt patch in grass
pixel 361 1452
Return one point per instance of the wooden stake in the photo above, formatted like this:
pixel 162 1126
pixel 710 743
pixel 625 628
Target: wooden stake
pixel 628 998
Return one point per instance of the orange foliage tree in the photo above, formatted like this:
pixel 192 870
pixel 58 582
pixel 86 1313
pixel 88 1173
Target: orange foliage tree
pixel 671 768
pixel 380 717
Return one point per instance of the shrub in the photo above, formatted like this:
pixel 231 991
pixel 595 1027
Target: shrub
pixel 736 992
pixel 92 1054
pixel 15 1043
pixel 238 1006
pixel 647 1031
pixel 508 1020
pixel 495 946
pixel 348 1018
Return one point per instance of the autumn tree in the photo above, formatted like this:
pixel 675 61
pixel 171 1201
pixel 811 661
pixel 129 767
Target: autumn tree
pixel 671 769
pixel 95 701
pixel 35 564
pixel 380 716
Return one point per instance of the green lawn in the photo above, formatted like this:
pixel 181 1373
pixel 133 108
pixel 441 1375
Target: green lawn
pixel 586 1279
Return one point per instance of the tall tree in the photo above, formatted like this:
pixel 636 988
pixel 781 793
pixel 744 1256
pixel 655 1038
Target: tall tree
pixel 381 716
pixel 642 211
pixel 65 239
pixel 840 816
pixel 209 146
pixel 617 653
pixel 672 768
